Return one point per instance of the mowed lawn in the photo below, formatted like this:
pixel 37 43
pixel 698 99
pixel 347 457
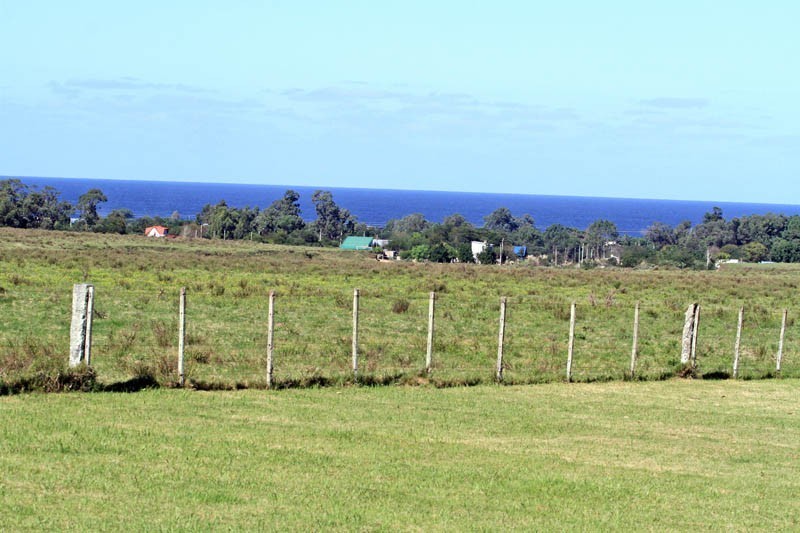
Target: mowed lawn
pixel 678 454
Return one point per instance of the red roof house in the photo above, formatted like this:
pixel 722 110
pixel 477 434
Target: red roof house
pixel 156 231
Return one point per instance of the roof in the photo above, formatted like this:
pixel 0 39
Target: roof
pixel 356 243
pixel 160 230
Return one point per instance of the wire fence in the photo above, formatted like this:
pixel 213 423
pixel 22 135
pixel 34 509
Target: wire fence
pixel 136 331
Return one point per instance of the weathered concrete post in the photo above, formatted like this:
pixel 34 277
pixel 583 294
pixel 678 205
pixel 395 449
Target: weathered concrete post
pixel 780 344
pixel 688 334
pixel 355 334
pixel 738 344
pixel 181 336
pixel 695 328
pixel 635 347
pixel 270 337
pixel 571 342
pixel 500 339
pixel 89 321
pixel 429 353
pixel 80 328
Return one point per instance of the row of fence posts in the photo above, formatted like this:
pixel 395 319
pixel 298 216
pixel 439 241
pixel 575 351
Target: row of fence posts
pixel 83 306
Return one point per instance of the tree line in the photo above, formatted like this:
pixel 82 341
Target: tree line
pixel 752 238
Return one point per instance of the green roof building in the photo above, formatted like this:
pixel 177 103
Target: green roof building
pixel 357 243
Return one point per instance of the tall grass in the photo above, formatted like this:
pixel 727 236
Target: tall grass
pixel 137 282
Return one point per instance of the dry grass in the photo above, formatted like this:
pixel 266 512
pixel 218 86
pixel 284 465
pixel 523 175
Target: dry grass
pixel 137 282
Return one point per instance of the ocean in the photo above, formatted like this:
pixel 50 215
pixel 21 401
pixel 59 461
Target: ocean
pixel 377 206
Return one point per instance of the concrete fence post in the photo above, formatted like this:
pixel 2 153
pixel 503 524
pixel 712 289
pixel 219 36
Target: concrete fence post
pixel 89 322
pixel 635 347
pixel 270 337
pixel 695 329
pixel 780 343
pixel 688 333
pixel 80 331
pixel 429 352
pixel 500 339
pixel 571 343
pixel 737 345
pixel 181 336
pixel 355 334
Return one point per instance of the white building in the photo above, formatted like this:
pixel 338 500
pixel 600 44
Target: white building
pixel 478 247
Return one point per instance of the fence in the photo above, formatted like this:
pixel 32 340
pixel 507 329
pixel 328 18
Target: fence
pixel 258 337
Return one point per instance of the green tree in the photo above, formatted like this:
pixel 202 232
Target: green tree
pixel 204 216
pixel 12 193
pixel 633 256
pixel 453 230
pixel 716 232
pixel 714 215
pixel 561 241
pixel 115 222
pixel 221 221
pixel 333 222
pixel 754 252
pixel 464 253
pixel 488 256
pixel 760 228
pixel 528 234
pixel 421 252
pixel 501 220
pixel 786 251
pixel 245 219
pixel 599 233
pixel 792 229
pixel 660 235
pixel 22 207
pixel 43 209
pixel 442 253
pixel 87 205
pixel 282 215
pixel 677 256
pixel 731 250
pixel 413 223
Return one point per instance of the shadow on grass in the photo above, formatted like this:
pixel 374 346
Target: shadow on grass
pixel 717 374
pixel 83 379
pixel 131 385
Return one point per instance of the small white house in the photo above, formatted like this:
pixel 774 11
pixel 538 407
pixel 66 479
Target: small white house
pixel 156 231
pixel 478 247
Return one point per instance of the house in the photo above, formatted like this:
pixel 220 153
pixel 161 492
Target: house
pixel 156 231
pixel 727 262
pixel 357 243
pixel 477 248
pixel 612 250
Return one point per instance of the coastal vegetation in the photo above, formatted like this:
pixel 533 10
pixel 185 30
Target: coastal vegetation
pixel 754 238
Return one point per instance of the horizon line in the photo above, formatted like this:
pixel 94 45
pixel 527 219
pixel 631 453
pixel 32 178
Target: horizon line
pixel 326 187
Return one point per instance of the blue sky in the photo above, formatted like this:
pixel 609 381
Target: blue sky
pixel 681 100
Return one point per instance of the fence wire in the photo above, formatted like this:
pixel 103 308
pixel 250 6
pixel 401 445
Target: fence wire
pixel 135 330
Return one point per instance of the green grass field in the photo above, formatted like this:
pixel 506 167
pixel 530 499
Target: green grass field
pixel 138 280
pixel 670 455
